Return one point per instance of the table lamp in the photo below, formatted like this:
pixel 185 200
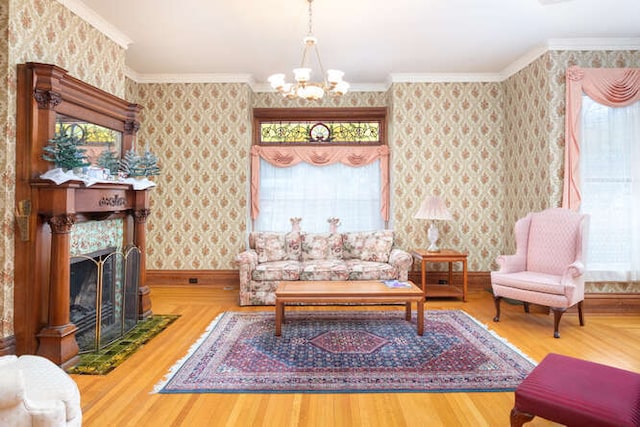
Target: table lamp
pixel 434 209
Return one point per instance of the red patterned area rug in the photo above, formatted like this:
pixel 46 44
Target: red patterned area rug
pixel 347 352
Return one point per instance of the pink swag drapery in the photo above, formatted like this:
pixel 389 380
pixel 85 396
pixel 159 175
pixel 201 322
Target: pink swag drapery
pixel 614 87
pixel 319 156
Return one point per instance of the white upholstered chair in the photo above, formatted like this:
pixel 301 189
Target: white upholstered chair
pixel 547 268
pixel 36 392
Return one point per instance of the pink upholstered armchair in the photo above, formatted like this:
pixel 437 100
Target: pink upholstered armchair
pixel 547 268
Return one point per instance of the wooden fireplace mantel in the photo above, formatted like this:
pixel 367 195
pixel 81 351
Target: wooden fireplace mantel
pixel 60 207
pixel 48 212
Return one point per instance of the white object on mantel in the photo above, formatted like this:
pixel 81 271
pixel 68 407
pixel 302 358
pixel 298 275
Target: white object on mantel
pixel 58 176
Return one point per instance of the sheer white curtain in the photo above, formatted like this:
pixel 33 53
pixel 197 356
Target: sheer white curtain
pixel 610 187
pixel 315 193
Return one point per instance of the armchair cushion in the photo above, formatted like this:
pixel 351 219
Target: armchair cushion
pixel 530 281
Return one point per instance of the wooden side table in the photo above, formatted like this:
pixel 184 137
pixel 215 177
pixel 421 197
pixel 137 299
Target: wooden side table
pixel 445 255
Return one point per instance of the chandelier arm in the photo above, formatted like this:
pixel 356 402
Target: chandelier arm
pixel 324 76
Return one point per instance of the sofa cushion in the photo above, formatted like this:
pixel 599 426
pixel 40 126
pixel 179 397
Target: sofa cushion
pixel 321 246
pixel 277 270
pixel 352 245
pixel 293 245
pixel 367 270
pixel 332 269
pixel 270 246
pixel 377 246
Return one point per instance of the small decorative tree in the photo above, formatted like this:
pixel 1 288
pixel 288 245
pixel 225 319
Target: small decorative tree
pixel 64 152
pixel 133 165
pixel 147 165
pixel 109 159
pixel 129 163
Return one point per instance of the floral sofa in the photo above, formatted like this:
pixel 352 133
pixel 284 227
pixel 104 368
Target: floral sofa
pixel 295 255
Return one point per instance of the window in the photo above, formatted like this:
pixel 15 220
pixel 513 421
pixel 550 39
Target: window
pixel 320 163
pixel 610 185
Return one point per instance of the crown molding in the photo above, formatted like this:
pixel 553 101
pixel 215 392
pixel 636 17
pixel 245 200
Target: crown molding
pixel 620 43
pixel 444 77
pixel 356 87
pixel 190 78
pixel 97 21
pixel 523 61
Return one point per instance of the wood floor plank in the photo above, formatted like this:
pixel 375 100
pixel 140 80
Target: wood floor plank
pixel 123 397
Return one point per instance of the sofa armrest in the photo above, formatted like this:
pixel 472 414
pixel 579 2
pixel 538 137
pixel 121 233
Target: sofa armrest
pixel 247 262
pixel 511 263
pixel 402 261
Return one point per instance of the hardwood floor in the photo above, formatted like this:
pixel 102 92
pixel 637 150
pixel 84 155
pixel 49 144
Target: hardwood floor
pixel 123 397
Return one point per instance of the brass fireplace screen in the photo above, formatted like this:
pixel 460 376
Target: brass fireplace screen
pixel 104 296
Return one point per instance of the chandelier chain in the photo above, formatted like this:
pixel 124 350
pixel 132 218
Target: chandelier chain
pixel 310 33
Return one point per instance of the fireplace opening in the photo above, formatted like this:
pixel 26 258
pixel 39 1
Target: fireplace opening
pixel 104 296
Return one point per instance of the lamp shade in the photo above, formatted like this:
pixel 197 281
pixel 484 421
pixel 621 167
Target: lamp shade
pixel 433 207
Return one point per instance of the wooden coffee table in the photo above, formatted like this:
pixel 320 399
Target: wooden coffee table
pixel 356 291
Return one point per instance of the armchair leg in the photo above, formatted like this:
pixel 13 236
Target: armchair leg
pixel 496 301
pixel 580 315
pixel 557 314
pixel 526 306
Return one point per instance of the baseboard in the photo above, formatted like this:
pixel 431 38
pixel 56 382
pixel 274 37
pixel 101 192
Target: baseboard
pixel 217 278
pixel 612 303
pixel 477 281
pixel 8 345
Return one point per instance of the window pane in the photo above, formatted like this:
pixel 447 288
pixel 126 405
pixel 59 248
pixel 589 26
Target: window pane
pixel 609 146
pixel 316 193
pixel 299 132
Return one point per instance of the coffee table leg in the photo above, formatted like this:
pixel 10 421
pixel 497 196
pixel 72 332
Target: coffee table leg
pixel 407 314
pixel 420 310
pixel 279 316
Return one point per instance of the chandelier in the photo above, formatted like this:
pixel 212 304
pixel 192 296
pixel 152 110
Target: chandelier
pixel 304 87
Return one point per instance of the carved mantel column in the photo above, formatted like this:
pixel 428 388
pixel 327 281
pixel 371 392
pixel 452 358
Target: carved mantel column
pixel 140 214
pixel 58 339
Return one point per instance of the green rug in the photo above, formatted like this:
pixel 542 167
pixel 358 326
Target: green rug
pixel 110 357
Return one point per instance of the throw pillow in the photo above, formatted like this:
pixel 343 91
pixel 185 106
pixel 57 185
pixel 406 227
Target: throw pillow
pixel 377 246
pixel 270 246
pixel 321 246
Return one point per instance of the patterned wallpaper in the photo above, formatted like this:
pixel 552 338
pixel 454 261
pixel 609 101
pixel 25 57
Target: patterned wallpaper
pixel 493 150
pixel 528 148
pixel 43 31
pixel 201 134
pixel 447 140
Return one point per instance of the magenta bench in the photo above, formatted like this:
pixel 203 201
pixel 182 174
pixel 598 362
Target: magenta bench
pixel 577 392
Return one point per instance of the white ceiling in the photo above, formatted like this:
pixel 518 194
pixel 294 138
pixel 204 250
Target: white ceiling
pixel 373 41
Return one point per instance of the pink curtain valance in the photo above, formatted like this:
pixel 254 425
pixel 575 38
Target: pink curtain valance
pixel 614 87
pixel 288 156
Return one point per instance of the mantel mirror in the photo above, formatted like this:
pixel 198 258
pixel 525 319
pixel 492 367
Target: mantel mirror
pixel 93 138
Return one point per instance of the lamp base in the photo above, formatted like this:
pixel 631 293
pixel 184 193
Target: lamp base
pixel 433 234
